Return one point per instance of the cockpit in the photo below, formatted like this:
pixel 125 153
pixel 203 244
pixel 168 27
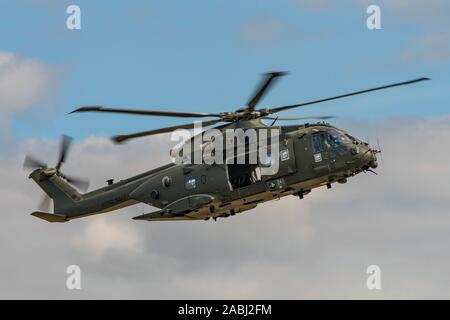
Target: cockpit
pixel 329 144
pixel 330 139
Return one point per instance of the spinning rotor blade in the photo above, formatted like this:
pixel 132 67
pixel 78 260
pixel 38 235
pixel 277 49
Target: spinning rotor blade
pixel 122 138
pixel 302 118
pixel 65 145
pixel 380 151
pixel 147 112
pixel 80 183
pixel 32 163
pixel 263 87
pixel 282 108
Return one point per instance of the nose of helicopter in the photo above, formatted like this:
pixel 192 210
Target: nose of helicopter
pixel 368 157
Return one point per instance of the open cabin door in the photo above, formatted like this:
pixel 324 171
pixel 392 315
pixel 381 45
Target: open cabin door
pixel 272 165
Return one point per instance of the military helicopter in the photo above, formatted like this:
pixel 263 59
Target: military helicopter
pixel 310 156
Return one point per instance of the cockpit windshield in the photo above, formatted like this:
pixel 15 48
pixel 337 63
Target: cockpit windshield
pixel 337 138
pixel 330 139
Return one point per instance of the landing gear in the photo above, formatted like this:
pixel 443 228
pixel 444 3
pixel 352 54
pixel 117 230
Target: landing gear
pixel 302 193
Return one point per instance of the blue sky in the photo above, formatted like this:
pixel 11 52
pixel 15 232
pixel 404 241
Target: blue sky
pixel 208 56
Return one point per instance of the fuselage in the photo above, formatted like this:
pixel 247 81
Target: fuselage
pixel 311 156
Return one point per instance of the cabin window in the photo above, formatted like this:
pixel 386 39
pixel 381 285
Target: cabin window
pixel 319 142
pixel 166 181
pixel 190 183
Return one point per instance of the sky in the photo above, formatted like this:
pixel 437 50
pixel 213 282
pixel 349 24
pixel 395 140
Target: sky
pixel 207 56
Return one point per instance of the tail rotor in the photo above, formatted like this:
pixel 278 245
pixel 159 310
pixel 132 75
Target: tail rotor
pixel 31 162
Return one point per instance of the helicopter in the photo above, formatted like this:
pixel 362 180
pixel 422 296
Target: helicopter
pixel 310 155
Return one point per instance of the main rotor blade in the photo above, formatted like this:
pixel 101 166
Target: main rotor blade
pixel 282 108
pixel 80 183
pixel 147 112
pixel 263 87
pixel 122 138
pixel 32 163
pixel 302 118
pixel 65 144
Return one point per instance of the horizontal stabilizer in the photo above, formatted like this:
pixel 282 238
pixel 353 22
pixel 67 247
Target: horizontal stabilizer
pixel 50 217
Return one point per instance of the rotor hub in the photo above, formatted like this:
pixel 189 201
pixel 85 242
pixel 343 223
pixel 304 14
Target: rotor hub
pixel 244 114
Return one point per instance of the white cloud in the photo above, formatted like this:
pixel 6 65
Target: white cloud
pixel 23 83
pixel 318 247
pixel 101 234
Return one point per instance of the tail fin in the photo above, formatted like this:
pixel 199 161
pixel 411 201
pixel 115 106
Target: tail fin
pixel 63 194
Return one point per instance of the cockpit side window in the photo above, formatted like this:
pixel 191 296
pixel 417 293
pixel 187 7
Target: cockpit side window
pixel 319 142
